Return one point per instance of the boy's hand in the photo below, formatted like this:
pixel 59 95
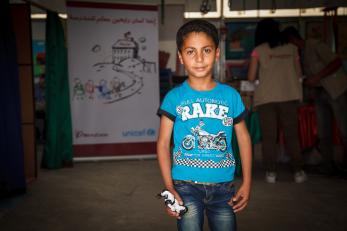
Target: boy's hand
pixel 240 200
pixel 178 198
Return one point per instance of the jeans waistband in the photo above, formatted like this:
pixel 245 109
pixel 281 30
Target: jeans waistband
pixel 202 183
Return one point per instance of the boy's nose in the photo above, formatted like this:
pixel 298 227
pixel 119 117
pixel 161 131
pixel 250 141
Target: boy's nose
pixel 199 57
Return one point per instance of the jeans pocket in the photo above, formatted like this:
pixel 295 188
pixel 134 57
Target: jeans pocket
pixel 227 188
pixel 179 182
pixel 182 186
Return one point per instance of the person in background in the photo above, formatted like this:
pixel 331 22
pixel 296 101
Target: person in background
pixel 201 113
pixel 277 96
pixel 328 83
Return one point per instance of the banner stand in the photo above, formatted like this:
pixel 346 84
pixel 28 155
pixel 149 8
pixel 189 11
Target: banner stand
pixel 114 80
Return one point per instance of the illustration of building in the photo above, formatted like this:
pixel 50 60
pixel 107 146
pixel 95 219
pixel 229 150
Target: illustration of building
pixel 124 49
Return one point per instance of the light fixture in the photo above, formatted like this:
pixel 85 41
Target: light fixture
pixel 209 14
pixel 44 16
pixel 205 6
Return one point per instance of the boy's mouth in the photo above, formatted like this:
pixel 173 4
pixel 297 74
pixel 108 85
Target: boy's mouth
pixel 199 68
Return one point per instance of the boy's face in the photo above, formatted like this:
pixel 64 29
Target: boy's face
pixel 198 55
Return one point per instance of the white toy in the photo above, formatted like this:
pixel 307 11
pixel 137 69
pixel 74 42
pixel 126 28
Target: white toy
pixel 172 203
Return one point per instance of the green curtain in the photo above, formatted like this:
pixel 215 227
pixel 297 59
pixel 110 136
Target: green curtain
pixel 58 147
pixel 253 125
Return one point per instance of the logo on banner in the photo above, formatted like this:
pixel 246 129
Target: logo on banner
pixel 143 132
pixel 82 134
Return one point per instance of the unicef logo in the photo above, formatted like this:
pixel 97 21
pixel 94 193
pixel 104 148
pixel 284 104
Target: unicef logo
pixel 150 132
pixel 142 132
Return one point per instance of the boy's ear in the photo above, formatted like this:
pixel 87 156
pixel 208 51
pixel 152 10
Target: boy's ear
pixel 180 56
pixel 217 54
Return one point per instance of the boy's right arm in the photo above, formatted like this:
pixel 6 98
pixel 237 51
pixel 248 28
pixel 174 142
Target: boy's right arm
pixel 164 158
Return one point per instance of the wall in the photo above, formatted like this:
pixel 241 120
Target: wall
pixel 38 29
pixel 167 32
pixel 21 25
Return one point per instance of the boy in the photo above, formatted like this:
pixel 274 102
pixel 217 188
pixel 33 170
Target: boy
pixel 201 114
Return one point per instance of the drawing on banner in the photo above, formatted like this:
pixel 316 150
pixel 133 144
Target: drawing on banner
pixel 89 88
pixel 119 78
pixel 78 90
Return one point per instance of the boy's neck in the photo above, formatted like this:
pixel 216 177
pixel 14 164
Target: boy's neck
pixel 201 84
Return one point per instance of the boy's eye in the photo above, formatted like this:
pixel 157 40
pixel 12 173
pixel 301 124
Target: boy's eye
pixel 189 52
pixel 207 50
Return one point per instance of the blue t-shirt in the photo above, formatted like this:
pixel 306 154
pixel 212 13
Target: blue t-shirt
pixel 202 132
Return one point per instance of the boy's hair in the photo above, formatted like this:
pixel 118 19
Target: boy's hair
pixel 197 25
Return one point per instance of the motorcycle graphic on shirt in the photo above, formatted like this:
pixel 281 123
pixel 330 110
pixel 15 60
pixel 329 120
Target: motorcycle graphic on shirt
pixel 204 139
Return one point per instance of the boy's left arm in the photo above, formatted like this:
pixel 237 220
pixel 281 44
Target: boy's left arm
pixel 240 200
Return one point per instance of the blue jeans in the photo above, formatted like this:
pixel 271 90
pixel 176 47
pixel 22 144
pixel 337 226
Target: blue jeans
pixel 213 198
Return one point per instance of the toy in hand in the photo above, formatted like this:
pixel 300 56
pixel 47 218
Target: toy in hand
pixel 172 203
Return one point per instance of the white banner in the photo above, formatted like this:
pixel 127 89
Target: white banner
pixel 113 70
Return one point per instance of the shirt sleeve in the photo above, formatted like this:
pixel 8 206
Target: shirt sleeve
pixel 255 54
pixel 168 108
pixel 239 110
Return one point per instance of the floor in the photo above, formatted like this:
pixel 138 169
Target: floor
pixel 121 195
